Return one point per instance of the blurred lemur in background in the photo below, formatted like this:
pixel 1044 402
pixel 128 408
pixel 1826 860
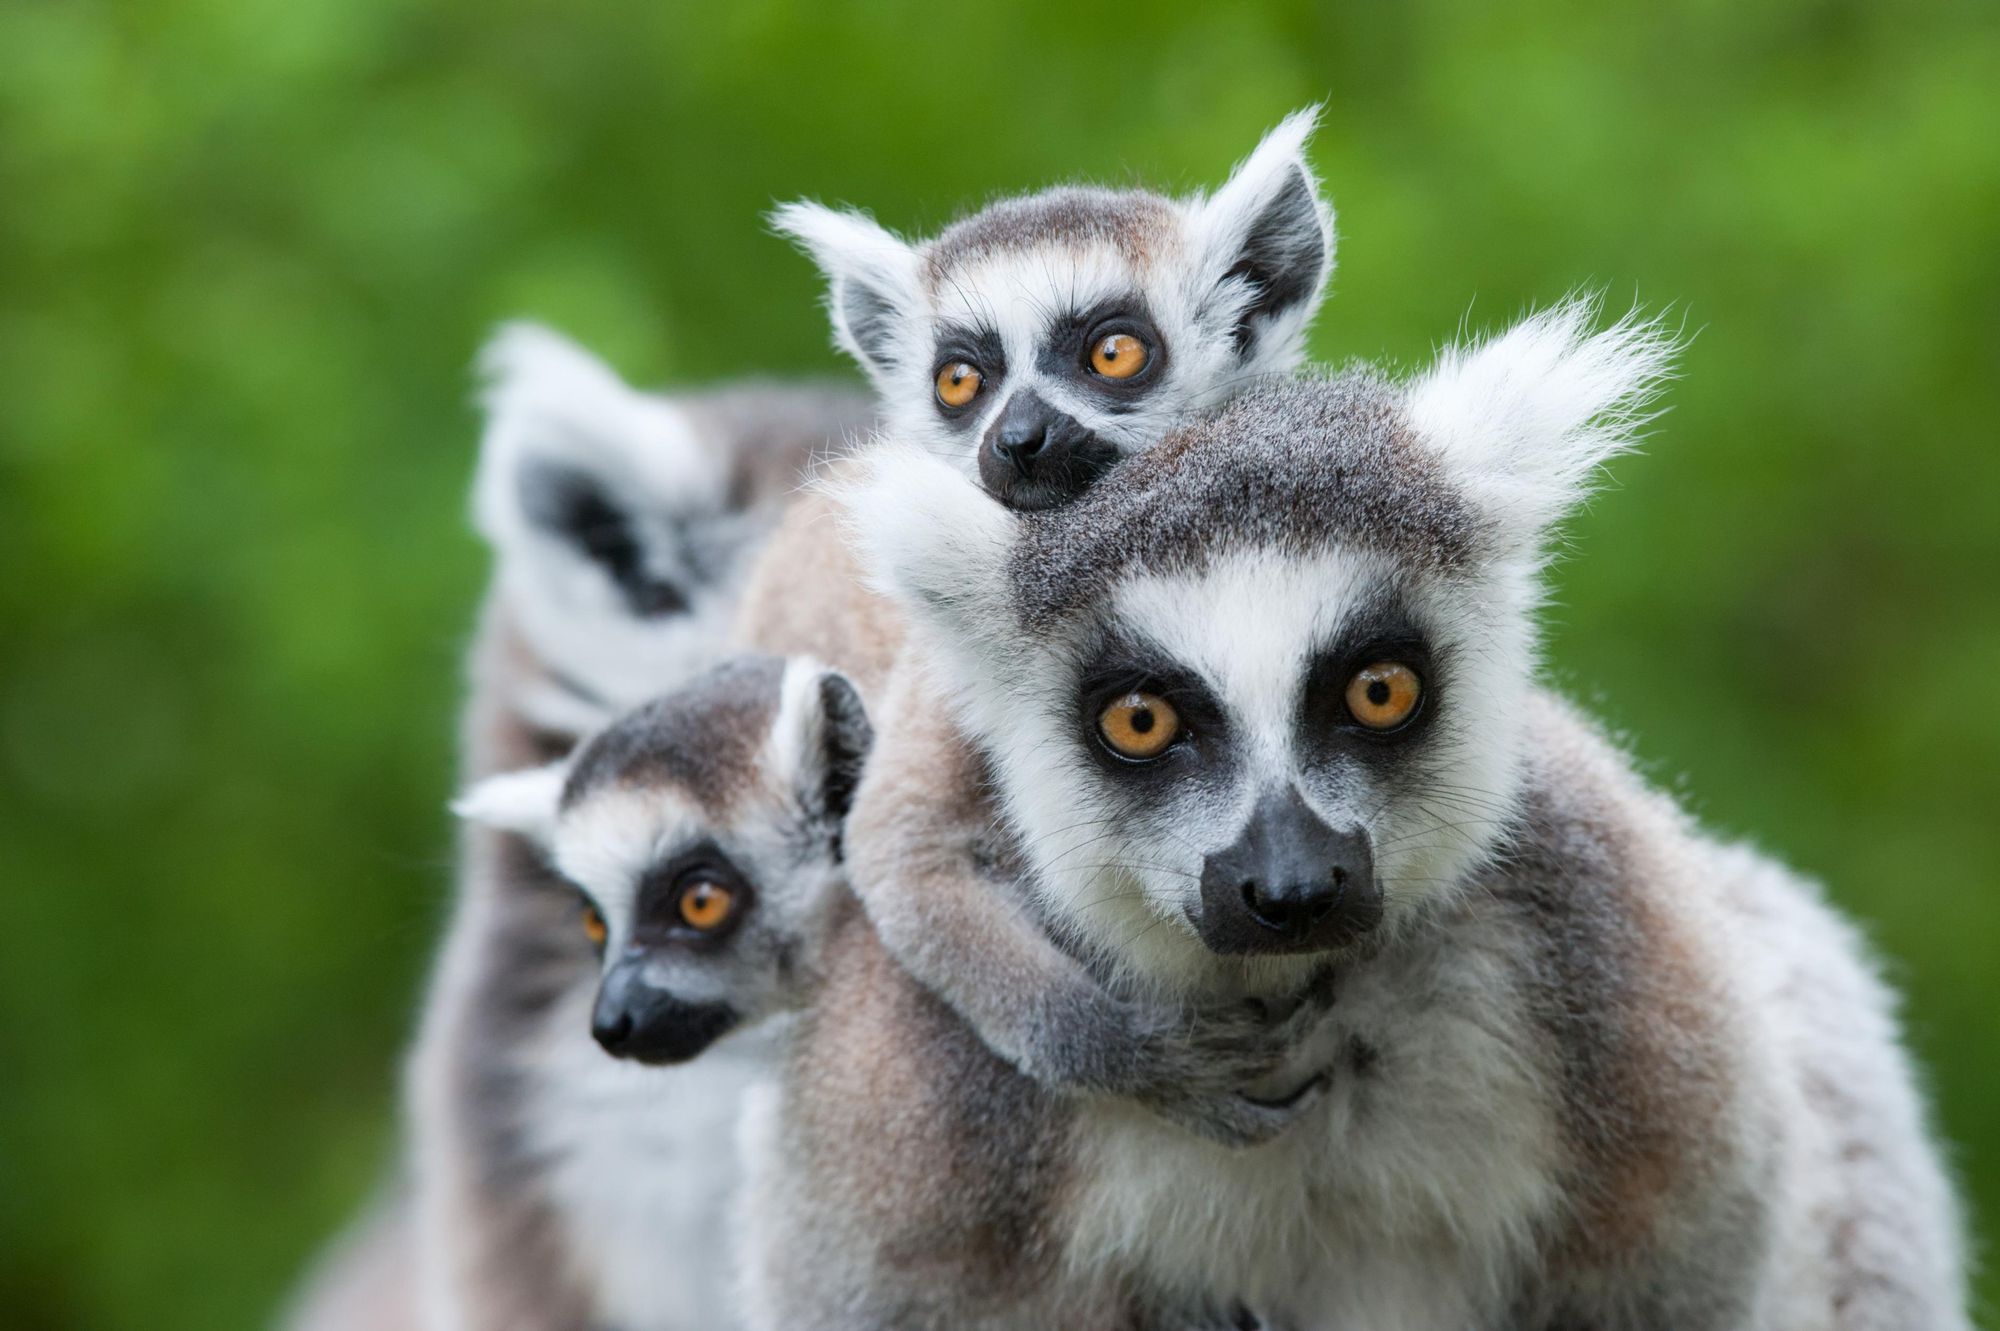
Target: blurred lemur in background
pixel 1256 716
pixel 544 1176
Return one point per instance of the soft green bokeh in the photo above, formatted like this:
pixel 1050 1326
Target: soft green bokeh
pixel 247 251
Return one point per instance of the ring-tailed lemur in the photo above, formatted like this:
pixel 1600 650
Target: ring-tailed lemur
pixel 1262 702
pixel 622 523
pixel 1044 337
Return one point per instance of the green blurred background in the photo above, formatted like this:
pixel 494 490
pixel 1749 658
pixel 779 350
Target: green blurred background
pixel 248 250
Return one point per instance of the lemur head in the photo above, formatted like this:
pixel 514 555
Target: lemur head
pixel 703 832
pixel 612 523
pixel 1042 338
pixel 1258 695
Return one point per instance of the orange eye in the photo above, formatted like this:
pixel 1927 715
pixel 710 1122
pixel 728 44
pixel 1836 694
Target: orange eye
pixel 706 905
pixel 1384 695
pixel 593 926
pixel 1119 356
pixel 1139 725
pixel 958 383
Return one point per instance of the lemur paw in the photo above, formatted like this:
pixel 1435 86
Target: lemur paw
pixel 1226 1073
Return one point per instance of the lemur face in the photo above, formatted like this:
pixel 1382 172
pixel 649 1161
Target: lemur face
pixel 1041 339
pixel 1255 697
pixel 702 832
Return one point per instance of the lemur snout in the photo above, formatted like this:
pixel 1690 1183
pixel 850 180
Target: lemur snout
pixel 1288 883
pixel 1036 456
pixel 640 1021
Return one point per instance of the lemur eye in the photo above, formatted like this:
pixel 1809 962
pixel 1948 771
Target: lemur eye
pixel 1119 356
pixel 593 926
pixel 958 383
pixel 706 905
pixel 1384 695
pixel 1139 725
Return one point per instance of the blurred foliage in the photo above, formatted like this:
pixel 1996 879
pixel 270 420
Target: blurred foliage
pixel 248 249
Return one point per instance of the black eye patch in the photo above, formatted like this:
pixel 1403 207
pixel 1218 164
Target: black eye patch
pixel 1326 721
pixel 977 345
pixel 660 919
pixel 1122 669
pixel 1067 342
pixel 571 505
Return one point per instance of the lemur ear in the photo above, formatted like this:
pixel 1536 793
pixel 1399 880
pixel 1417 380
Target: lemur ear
pixel 871 278
pixel 1267 241
pixel 576 471
pixel 1523 419
pixel 823 736
pixel 525 802
pixel 930 540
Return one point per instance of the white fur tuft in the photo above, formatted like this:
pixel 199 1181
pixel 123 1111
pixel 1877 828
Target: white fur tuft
pixel 525 801
pixel 1524 418
pixel 871 275
pixel 929 538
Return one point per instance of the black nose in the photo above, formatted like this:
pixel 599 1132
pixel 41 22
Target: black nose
pixel 1288 883
pixel 1036 456
pixel 1020 443
pixel 1295 908
pixel 638 1020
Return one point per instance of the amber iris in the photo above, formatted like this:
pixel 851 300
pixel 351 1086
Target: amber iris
pixel 1139 725
pixel 1384 695
pixel 707 905
pixel 1118 356
pixel 958 383
pixel 593 926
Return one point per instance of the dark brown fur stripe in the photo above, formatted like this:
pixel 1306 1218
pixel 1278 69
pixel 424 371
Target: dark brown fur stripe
pixel 1128 220
pixel 1294 465
pixel 702 738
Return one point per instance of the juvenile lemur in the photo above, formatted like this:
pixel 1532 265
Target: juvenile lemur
pixel 1259 710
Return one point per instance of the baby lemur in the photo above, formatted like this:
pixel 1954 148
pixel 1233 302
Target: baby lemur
pixel 1259 713
pixel 1042 338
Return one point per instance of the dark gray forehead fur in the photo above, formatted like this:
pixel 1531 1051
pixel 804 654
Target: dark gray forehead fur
pixel 1292 465
pixel 1130 220
pixel 705 738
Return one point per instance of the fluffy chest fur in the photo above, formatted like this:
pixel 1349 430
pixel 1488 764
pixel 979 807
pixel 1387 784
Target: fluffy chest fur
pixel 1406 1197
pixel 641 1166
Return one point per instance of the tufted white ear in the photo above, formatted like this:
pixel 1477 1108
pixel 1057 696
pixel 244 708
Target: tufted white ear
pixel 1266 241
pixel 525 802
pixel 871 274
pixel 1524 418
pixel 821 738
pixel 930 539
pixel 574 465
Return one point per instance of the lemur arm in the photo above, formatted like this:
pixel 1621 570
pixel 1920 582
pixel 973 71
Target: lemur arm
pixel 913 844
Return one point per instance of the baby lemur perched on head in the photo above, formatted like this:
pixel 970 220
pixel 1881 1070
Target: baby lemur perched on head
pixel 1044 337
pixel 1258 711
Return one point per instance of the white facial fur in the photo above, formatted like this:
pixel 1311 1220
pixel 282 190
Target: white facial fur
pixel 554 411
pixel 899 307
pixel 1514 427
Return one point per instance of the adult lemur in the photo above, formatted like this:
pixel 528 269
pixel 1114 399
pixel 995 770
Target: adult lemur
pixel 619 524
pixel 1257 714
